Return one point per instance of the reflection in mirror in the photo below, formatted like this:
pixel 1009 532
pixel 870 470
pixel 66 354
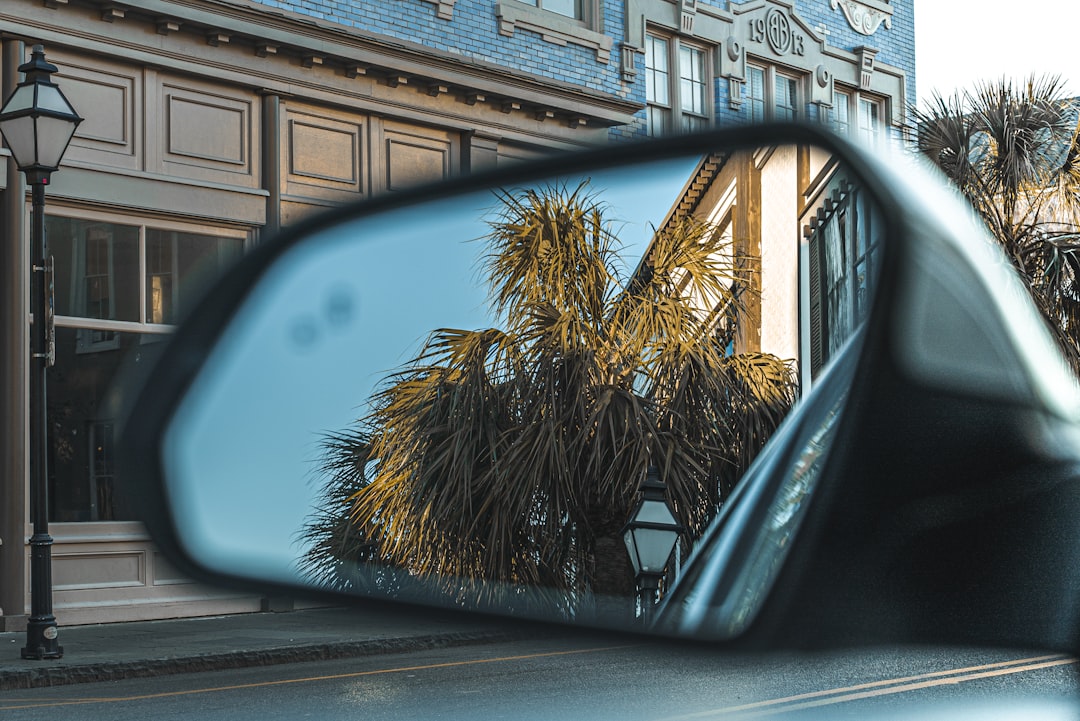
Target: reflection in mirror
pixel 459 401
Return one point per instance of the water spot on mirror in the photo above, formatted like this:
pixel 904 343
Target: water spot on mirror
pixel 304 333
pixel 340 307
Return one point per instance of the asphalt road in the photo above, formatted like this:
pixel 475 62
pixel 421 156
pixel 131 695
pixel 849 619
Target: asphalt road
pixel 568 678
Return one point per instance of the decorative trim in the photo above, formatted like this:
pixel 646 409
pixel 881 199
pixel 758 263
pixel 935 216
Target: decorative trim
pixel 109 13
pixel 735 96
pixel 552 28
pixel 167 25
pixel 862 16
pixel 217 38
pixel 866 65
pixel 687 13
pixel 628 62
pixel 444 8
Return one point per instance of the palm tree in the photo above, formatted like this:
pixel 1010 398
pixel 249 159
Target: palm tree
pixel 514 454
pixel 1014 152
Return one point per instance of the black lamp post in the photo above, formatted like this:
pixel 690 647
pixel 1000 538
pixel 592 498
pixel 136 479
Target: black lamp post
pixel 37 122
pixel 650 537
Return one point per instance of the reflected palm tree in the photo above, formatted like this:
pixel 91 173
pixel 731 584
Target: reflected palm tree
pixel 510 457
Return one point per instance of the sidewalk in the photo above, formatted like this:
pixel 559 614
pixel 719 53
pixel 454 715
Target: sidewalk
pixel 151 648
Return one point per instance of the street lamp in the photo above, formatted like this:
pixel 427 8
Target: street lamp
pixel 37 122
pixel 650 537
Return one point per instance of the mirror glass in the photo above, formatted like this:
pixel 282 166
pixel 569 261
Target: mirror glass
pixel 460 401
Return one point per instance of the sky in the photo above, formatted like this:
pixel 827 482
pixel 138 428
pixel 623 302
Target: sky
pixel 958 42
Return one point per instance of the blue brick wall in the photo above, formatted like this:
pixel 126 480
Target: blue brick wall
pixel 473 33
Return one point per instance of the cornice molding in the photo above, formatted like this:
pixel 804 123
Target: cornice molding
pixel 289 38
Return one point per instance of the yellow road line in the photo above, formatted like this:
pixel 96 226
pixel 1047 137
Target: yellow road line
pixel 881 688
pixel 4 706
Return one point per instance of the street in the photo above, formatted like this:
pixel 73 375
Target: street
pixel 568 678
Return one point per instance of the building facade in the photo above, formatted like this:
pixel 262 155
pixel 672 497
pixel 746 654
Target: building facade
pixel 802 244
pixel 210 124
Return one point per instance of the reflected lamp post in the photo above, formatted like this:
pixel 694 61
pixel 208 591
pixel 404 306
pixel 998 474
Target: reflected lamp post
pixel 38 122
pixel 650 537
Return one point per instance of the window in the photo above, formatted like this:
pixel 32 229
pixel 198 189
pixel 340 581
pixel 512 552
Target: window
pixel 119 285
pixel 869 120
pixel 755 93
pixel 771 94
pixel 842 112
pixel 677 100
pixel 786 95
pixel 867 112
pixel 177 265
pixel 98 269
pixel 843 259
pixel 569 8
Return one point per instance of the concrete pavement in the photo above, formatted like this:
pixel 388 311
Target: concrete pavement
pixel 151 648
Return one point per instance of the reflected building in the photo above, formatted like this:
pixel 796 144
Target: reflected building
pixel 805 238
pixel 212 124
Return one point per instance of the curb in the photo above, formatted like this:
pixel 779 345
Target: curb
pixel 144 668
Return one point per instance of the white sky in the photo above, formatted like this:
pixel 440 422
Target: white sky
pixel 958 42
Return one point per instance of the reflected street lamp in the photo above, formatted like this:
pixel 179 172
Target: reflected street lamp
pixel 37 122
pixel 650 537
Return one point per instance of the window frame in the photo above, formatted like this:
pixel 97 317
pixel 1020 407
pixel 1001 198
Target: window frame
pixel 581 9
pixel 673 109
pixel 853 128
pixel 769 73
pixel 143 223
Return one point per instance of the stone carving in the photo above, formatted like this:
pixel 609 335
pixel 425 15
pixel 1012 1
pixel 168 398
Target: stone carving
pixel 862 17
pixel 776 29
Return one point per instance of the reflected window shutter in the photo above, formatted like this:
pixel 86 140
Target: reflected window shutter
pixel 816 330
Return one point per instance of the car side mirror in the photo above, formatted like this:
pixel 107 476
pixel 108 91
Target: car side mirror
pixel 452 397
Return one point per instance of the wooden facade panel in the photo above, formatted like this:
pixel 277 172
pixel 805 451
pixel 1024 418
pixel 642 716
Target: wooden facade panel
pixel 415 155
pixel 207 133
pixel 121 569
pixel 108 96
pixel 321 153
pixel 201 130
pixel 110 571
pixel 324 154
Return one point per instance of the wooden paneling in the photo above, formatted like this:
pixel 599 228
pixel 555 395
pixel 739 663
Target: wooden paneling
pixel 324 153
pixel 207 132
pixel 414 154
pixel 110 571
pixel 199 129
pixel 76 571
pixel 109 98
